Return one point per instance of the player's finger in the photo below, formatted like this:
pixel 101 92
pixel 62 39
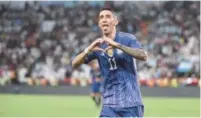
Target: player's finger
pixel 107 41
pixel 96 42
pixel 100 40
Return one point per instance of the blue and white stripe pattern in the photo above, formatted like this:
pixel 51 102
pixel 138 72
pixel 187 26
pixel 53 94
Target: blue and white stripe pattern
pixel 120 86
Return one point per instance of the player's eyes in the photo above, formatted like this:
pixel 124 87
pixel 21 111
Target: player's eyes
pixel 101 17
pixel 108 16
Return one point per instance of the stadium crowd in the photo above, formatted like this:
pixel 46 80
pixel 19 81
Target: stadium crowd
pixel 38 39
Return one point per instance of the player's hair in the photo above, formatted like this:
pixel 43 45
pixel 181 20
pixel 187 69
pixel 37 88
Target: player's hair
pixel 109 9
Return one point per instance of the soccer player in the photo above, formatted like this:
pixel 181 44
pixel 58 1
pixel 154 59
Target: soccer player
pixel 95 83
pixel 116 53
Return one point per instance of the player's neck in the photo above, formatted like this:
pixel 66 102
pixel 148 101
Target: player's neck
pixel 111 35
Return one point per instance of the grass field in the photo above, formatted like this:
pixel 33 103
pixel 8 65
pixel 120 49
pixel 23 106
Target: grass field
pixel 42 105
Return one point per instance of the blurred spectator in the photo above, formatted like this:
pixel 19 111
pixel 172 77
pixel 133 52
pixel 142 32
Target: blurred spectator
pixel 38 39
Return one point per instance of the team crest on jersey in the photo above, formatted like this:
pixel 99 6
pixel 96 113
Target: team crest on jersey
pixel 119 51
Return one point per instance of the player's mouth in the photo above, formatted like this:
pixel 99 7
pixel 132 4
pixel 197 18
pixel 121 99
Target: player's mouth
pixel 105 26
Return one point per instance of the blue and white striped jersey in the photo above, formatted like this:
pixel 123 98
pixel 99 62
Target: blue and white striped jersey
pixel 120 86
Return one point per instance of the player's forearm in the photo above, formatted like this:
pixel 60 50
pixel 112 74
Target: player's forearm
pixel 79 59
pixel 135 52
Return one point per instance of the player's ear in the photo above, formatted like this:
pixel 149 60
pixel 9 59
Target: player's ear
pixel 115 20
pixel 98 21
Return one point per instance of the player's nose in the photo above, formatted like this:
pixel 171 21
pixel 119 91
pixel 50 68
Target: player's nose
pixel 104 20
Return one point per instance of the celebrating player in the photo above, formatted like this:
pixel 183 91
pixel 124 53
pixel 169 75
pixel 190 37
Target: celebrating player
pixel 116 53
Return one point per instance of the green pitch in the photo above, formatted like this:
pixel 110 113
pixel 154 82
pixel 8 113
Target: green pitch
pixel 42 105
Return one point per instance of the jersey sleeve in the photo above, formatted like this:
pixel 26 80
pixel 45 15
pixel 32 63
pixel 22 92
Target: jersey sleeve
pixel 91 56
pixel 134 43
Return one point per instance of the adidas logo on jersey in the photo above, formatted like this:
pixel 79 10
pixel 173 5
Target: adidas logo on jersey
pixel 119 51
pixel 102 54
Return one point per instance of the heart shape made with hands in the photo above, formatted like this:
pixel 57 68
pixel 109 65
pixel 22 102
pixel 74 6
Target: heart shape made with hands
pixel 108 50
pixel 97 48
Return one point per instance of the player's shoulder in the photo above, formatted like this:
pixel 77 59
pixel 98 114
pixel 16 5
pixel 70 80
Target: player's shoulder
pixel 127 36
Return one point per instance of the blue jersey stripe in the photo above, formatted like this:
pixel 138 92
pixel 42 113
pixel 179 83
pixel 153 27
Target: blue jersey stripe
pixel 120 85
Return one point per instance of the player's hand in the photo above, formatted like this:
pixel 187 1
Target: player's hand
pixel 111 42
pixel 95 45
pixel 108 48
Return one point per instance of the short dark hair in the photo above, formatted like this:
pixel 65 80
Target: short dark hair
pixel 107 8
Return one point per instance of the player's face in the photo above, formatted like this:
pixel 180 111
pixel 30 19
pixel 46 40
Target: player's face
pixel 107 21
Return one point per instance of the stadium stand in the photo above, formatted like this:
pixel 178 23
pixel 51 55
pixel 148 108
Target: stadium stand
pixel 38 40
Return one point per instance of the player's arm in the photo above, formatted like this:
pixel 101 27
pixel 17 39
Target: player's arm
pixel 137 53
pixel 80 58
